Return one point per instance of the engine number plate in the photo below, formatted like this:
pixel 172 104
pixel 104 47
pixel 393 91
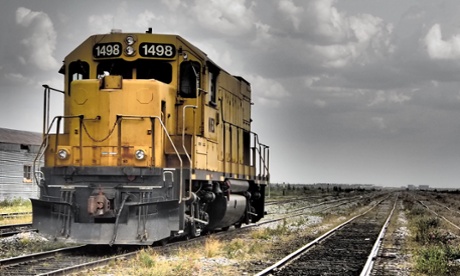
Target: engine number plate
pixel 158 50
pixel 107 50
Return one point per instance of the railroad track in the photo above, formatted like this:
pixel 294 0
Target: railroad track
pixel 392 258
pixel 438 214
pixel 14 215
pixel 54 262
pixel 63 261
pixel 13 229
pixel 344 250
pixel 321 207
pixel 297 199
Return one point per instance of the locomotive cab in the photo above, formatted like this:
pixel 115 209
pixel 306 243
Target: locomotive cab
pixel 156 142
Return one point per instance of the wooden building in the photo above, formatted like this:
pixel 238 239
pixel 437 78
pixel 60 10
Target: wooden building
pixel 18 150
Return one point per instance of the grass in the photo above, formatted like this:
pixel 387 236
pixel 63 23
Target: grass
pixel 183 262
pixel 221 253
pixel 431 260
pixel 432 246
pixel 15 205
pixel 268 233
pixel 16 220
pixel 212 248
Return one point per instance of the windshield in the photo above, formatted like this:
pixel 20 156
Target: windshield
pixel 145 69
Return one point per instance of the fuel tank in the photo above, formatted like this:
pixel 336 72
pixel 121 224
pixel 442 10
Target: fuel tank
pixel 224 212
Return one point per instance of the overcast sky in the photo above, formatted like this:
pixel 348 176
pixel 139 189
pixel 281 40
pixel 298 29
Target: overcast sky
pixel 349 91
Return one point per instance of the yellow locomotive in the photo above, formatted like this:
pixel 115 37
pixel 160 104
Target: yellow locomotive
pixel 155 143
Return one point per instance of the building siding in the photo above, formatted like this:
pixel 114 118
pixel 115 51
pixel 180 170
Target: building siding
pixel 13 158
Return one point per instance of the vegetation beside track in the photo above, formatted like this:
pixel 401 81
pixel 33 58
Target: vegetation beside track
pixel 434 248
pixel 15 205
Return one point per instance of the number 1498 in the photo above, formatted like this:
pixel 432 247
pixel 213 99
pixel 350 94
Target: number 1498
pixel 157 50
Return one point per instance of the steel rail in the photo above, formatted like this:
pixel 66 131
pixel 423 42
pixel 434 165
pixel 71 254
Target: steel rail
pixel 372 256
pixel 301 250
pixel 15 225
pixel 438 215
pixel 13 229
pixel 35 256
pixel 15 214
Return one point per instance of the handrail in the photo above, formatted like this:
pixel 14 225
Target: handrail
pixel 263 161
pixel 185 150
pixel 41 152
pixel 197 92
pixel 45 142
pixel 121 117
pixel 45 131
pixel 46 106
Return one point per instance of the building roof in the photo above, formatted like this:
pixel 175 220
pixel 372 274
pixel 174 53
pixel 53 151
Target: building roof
pixel 13 136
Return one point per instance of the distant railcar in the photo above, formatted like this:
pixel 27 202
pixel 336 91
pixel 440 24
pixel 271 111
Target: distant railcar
pixel 156 143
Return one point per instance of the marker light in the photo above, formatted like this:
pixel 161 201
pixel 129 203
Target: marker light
pixel 140 154
pixel 63 154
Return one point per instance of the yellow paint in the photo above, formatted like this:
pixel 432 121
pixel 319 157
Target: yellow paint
pixel 110 117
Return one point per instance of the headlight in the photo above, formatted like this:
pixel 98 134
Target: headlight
pixel 140 154
pixel 130 40
pixel 63 154
pixel 129 51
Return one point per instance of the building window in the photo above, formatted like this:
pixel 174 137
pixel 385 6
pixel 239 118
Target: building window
pixel 27 173
pixel 25 147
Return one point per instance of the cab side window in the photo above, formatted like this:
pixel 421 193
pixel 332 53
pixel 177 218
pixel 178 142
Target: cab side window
pixel 189 77
pixel 212 82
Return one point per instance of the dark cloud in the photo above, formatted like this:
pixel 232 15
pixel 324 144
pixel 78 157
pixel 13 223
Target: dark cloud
pixel 345 91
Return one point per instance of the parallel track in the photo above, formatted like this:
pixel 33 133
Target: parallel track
pixel 13 229
pixel 14 215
